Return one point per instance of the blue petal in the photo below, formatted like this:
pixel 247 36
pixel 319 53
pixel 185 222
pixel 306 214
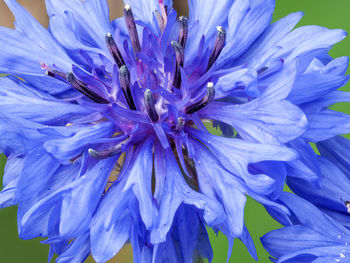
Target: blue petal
pixel 18 101
pixel 12 173
pixel 233 79
pixel 315 235
pixel 203 21
pixel 326 124
pixel 90 19
pixel 261 120
pixel 189 234
pixel 324 254
pixel 337 151
pixel 267 42
pixel 77 251
pixel 236 154
pixel 39 212
pixel 216 182
pixel 277 171
pixel 246 22
pixel 139 180
pixel 317 82
pixel 33 30
pixel 293 238
pixel 28 45
pixel 175 193
pixel 307 39
pixel 334 190
pixel 143 10
pixel 38 168
pixel 249 243
pixel 232 197
pixel 106 244
pixel 327 100
pixel 68 148
pixel 306 166
pixel 324 224
pixel 111 225
pixel 79 204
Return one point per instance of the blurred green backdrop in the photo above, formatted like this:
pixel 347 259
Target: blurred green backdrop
pixel 328 13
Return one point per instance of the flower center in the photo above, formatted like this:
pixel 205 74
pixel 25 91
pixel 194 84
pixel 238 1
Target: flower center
pixel 153 92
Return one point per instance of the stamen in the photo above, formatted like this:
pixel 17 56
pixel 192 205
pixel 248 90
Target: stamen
pixel 113 49
pixel 124 79
pixel 83 88
pixel 347 205
pixel 52 72
pixel 219 44
pixel 183 31
pixel 204 102
pixel 164 10
pixel 262 70
pixel 160 21
pixel 150 106
pixel 130 24
pixel 180 124
pixel 113 151
pixel 179 51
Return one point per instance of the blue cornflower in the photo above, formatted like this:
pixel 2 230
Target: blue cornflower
pixel 104 123
pixel 309 236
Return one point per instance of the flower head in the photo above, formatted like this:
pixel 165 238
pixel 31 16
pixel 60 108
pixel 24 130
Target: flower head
pixel 105 123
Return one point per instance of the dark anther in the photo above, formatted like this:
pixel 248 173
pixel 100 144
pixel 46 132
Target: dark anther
pixel 124 79
pixel 113 49
pixel 183 31
pixel 130 24
pixel 113 151
pixel 179 51
pixel 204 102
pixel 219 44
pixel 150 106
pixel 83 88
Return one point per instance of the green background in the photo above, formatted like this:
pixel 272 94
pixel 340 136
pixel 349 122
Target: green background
pixel 328 13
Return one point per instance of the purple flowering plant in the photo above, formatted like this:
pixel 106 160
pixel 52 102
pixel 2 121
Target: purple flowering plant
pixel 106 126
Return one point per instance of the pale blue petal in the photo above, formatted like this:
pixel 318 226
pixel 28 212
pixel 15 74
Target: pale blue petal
pixel 77 251
pixel 68 148
pixel 90 18
pixel 79 205
pixel 267 42
pixel 245 24
pixel 12 172
pixel 261 120
pixel 326 124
